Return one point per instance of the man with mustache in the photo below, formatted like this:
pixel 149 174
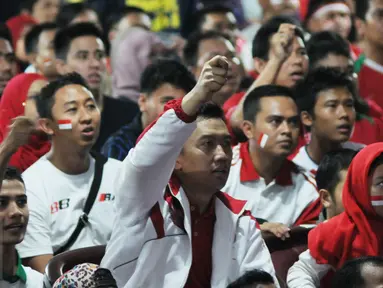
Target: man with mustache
pixel 14 213
pixel 8 64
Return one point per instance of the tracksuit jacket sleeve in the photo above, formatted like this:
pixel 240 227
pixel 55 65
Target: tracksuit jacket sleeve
pixel 149 165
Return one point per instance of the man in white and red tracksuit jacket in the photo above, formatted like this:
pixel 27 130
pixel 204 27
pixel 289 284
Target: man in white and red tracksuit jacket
pixel 183 232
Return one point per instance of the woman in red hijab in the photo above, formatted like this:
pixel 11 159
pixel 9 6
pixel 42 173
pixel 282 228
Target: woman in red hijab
pixel 357 232
pixel 14 103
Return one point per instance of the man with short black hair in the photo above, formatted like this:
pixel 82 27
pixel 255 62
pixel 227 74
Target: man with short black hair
pixel 365 272
pixel 39 48
pixel 254 279
pixel 327 108
pixel 161 82
pixel 280 195
pixel 201 47
pixel 330 179
pixel 81 48
pixel 41 10
pixel 70 116
pixel 8 64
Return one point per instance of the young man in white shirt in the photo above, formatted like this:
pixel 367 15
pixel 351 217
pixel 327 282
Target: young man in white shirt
pixel 280 195
pixel 14 212
pixel 183 232
pixel 59 183
pixel 327 111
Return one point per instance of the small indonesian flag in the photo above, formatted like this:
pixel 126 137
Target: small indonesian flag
pixel 65 124
pixel 377 200
pixel 262 140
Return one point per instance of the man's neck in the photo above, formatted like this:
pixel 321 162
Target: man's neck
pixel 373 52
pixel 317 148
pixel 198 195
pixel 70 161
pixel 266 165
pixel 144 121
pixel 8 260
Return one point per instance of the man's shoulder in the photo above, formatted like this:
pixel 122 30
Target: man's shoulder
pixel 113 164
pixel 34 278
pixel 37 169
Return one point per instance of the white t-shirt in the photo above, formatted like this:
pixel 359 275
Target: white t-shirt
pixel 33 279
pixel 56 201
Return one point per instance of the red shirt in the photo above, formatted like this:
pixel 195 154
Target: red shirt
pixel 202 245
pixel 370 81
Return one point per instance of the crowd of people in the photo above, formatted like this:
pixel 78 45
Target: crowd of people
pixel 181 146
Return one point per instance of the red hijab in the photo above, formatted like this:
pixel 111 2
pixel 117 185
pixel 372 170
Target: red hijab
pixel 359 230
pixel 11 106
pixel 16 26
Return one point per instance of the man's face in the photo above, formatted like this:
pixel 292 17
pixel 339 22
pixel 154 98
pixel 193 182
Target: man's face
pixel 221 22
pixel 337 20
pixel 87 16
pixel 76 104
pixel 340 62
pixel 295 67
pixel 376 187
pixel 334 115
pixel 372 275
pixel 8 65
pixel 210 48
pixel 207 155
pixel 278 118
pixel 14 212
pixel 45 57
pixel 373 26
pixel 334 204
pixel 87 57
pixel 46 10
pixel 153 105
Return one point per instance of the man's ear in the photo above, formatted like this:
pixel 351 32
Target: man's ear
pixel 142 100
pixel 360 27
pixel 61 67
pixel 306 118
pixel 46 125
pixel 325 198
pixel 259 65
pixel 247 128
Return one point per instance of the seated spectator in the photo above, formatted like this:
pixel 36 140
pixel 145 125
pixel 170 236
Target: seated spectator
pixel 161 82
pixel 328 112
pixel 354 233
pixel 328 49
pixel 181 227
pixel 39 48
pixel 18 100
pixel 369 66
pixel 362 272
pixel 80 48
pixel 282 60
pixel 14 212
pixel 330 178
pixel 280 195
pixel 254 279
pixel 70 116
pixel 73 13
pixel 201 47
pixel 8 64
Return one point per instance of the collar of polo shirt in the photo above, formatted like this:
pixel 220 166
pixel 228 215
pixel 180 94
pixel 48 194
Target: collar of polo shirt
pixel 20 273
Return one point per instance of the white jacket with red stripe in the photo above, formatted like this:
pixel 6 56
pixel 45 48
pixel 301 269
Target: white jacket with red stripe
pixel 147 249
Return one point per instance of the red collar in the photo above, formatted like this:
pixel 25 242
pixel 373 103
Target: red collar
pixel 248 172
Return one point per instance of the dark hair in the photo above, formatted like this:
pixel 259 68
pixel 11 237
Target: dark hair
pixel 65 36
pixel 252 277
pixel 190 53
pixel 322 44
pixel 251 106
pixel 350 275
pixel 200 15
pixel 321 79
pixel 5 33
pixel 261 41
pixel 32 37
pixel 314 5
pixel 361 8
pixel 27 5
pixel 12 173
pixel 70 11
pixel 166 72
pixel 327 176
pixel 116 16
pixel 377 161
pixel 210 110
pixel 46 98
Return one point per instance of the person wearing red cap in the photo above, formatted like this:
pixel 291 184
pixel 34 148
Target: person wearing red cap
pixel 354 233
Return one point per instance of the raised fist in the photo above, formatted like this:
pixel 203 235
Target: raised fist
pixel 282 41
pixel 20 131
pixel 213 76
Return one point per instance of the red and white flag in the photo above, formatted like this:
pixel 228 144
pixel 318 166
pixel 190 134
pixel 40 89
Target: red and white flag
pixel 65 124
pixel 262 140
pixel 377 200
